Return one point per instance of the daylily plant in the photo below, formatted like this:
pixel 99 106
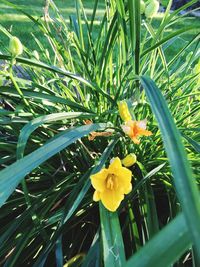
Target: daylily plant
pixel 111 184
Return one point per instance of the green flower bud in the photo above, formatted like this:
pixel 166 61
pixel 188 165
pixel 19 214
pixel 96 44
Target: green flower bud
pixel 129 160
pixel 152 9
pixel 142 7
pixel 36 55
pixel 15 46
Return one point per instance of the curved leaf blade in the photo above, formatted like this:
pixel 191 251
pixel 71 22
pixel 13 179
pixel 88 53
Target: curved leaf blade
pixel 186 187
pixel 13 174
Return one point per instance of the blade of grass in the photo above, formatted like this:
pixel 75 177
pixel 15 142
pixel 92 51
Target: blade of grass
pixel 92 258
pixel 34 124
pixel 168 246
pixel 167 38
pixel 39 64
pixel 13 174
pixel 41 96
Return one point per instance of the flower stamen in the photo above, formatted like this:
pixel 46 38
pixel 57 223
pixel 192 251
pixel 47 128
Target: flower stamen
pixel 110 181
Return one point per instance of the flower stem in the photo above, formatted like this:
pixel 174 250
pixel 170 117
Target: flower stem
pixel 18 89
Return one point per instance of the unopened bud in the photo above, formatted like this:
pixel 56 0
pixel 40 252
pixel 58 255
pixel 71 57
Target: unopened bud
pixel 142 7
pixel 36 55
pixel 129 160
pixel 15 46
pixel 123 111
pixel 152 9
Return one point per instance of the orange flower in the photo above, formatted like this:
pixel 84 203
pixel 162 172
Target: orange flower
pixel 135 129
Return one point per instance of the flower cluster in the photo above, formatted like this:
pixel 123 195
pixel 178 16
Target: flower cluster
pixel 134 129
pixel 112 183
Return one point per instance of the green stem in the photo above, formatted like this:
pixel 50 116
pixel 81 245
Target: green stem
pixel 17 87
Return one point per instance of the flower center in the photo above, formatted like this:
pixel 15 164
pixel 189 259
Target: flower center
pixel 135 129
pixel 111 182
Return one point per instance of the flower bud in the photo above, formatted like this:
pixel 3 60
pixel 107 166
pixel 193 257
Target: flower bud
pixel 36 55
pixel 15 46
pixel 152 9
pixel 129 160
pixel 123 111
pixel 142 7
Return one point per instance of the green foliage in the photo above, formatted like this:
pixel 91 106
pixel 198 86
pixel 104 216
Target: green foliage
pixel 55 100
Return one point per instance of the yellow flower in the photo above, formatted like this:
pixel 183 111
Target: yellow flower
pixel 111 184
pixel 134 129
pixel 129 160
pixel 123 111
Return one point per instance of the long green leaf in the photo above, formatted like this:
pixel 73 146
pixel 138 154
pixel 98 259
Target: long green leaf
pixel 9 91
pixel 113 246
pixel 13 174
pixel 183 178
pixel 34 124
pixel 165 248
pixel 167 38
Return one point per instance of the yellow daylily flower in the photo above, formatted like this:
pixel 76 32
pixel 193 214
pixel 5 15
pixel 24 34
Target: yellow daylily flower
pixel 134 129
pixel 129 160
pixel 123 111
pixel 111 184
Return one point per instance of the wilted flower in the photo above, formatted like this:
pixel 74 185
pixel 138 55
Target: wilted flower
pixel 129 160
pixel 152 9
pixel 15 46
pixel 135 129
pixel 111 184
pixel 123 111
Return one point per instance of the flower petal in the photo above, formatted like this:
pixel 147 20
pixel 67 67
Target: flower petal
pixel 142 124
pixel 128 189
pixel 98 180
pixel 135 140
pixel 145 132
pixel 124 180
pixel 115 166
pixel 96 196
pixel 111 199
pixel 126 129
